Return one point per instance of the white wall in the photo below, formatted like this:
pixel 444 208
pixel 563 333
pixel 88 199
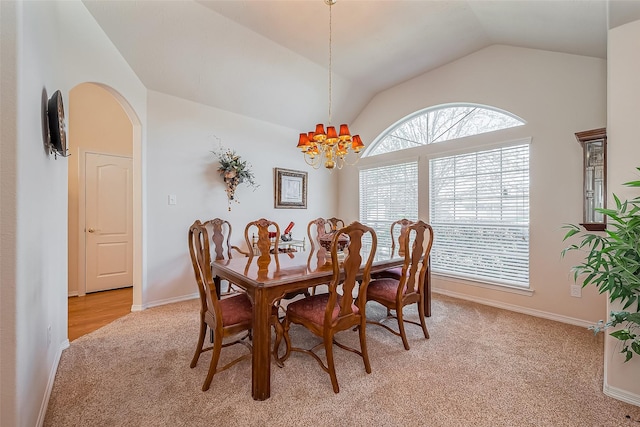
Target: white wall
pixel 57 46
pixel 41 270
pixel 622 380
pixel 558 95
pixel 179 160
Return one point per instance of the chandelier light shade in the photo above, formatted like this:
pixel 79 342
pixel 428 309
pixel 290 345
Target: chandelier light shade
pixel 329 148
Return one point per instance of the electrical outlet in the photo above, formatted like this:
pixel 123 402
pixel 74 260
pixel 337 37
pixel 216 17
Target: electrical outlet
pixel 576 291
pixel 48 335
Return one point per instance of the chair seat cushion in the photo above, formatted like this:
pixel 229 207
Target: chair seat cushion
pixel 383 290
pixel 236 309
pixel 391 273
pixel 313 308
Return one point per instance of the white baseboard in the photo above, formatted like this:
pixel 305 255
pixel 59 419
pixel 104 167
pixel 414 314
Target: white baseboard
pixel 622 395
pixel 164 301
pixel 52 376
pixel 516 308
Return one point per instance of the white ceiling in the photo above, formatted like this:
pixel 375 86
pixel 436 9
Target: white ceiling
pixel 268 59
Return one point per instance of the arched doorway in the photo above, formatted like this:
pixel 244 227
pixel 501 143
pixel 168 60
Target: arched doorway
pixel 105 147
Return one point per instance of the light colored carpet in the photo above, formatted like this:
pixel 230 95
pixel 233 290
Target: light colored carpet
pixel 482 366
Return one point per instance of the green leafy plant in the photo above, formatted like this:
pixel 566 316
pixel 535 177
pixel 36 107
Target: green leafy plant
pixel 612 264
pixel 234 171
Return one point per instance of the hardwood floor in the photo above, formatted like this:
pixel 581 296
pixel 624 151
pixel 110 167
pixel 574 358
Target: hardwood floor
pixel 95 310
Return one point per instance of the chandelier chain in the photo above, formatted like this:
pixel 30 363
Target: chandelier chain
pixel 330 5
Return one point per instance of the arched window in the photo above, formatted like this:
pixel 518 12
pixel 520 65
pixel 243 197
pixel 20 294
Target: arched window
pixel 478 199
pixel 442 123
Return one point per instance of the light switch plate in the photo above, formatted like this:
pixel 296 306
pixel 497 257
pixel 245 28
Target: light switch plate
pixel 172 199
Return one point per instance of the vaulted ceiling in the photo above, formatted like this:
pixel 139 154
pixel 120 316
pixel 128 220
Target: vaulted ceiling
pixel 268 59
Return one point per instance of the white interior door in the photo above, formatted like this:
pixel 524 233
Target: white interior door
pixel 108 222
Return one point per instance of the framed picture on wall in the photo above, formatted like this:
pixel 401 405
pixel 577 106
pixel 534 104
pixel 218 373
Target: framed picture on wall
pixel 290 189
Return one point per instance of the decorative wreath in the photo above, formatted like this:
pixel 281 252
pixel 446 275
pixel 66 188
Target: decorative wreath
pixel 234 171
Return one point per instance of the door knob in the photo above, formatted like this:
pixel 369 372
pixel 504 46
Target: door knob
pixel 91 230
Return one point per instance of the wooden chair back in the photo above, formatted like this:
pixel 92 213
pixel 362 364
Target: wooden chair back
pixel 402 225
pixel 346 274
pixel 315 230
pixel 264 243
pixel 220 232
pixel 201 260
pixel 412 281
pixel 334 224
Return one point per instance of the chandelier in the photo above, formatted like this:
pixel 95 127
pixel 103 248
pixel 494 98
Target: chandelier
pixel 329 148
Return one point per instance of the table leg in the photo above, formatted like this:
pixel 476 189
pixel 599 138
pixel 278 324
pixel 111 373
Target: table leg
pixel 427 294
pixel 217 283
pixel 261 366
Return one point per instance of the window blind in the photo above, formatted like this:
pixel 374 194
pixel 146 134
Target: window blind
pixel 479 211
pixel 387 194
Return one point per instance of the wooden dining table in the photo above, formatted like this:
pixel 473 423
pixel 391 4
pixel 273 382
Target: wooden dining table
pixel 267 278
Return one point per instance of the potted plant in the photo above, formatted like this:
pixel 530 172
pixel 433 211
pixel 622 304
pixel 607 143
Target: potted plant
pixel 612 264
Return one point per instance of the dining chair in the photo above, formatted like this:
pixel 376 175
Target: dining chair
pixel 265 245
pixel 395 294
pixel 327 314
pixel 225 317
pixel 400 231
